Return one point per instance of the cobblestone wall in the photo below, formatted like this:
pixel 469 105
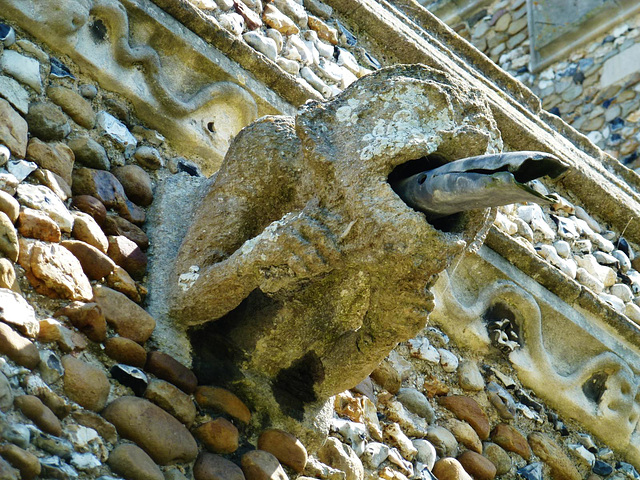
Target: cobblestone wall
pixel 85 391
pixel 572 88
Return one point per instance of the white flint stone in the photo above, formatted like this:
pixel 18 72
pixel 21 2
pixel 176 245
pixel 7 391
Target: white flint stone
pixel 622 291
pixel 262 44
pixel 291 53
pixel 375 453
pixel 85 461
pixel 347 77
pixel 406 467
pixel 469 376
pixel 617 304
pixel 397 437
pixel 422 349
pixel 82 437
pixel 605 259
pixel 224 5
pixel 305 55
pixel 539 225
pixel 632 311
pixel 324 49
pixel 354 433
pixel 21 169
pixel 506 225
pixel 448 360
pixel 413 424
pixel 315 81
pixel 589 281
pixel 232 22
pixel 318 469
pixel 15 94
pixel 116 130
pixel 602 243
pixel 16 311
pixel 623 260
pixel 609 235
pixel 24 69
pixel 584 456
pixel 567 228
pixel 204 4
pixel 426 452
pixel 276 36
pixel 42 198
pixel 524 230
pixel 289 66
pixel 587 441
pixel 634 276
pixel 583 246
pixel 604 274
pixel 569 267
pixel 563 248
pixel 311 47
pixel 5 154
pixel 330 71
pixel 583 227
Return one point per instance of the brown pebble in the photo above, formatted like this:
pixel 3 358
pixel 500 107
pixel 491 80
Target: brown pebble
pixel 85 384
pixel 128 255
pixel 126 317
pixel 33 408
pixel 122 282
pixel 158 433
pixel 511 440
pixel 90 205
pixel 18 348
pixel 261 465
pixel 133 463
pixel 36 224
pixel 52 330
pixel 86 317
pixel 218 435
pixel 26 462
pixel 171 399
pixel 136 183
pixel 9 206
pixel 115 225
pixel 285 447
pixel 222 400
pixel 387 377
pixel 450 469
pixel 168 368
pixel 125 350
pixel 95 264
pixel 479 467
pixel 552 454
pixel 467 409
pixel 210 466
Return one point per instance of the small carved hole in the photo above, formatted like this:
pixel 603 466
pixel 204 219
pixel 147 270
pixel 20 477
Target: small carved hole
pixel 211 127
pixel 595 386
pixel 98 31
pixel 421 179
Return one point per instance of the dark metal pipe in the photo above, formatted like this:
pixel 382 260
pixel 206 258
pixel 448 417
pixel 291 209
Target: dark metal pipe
pixel 478 182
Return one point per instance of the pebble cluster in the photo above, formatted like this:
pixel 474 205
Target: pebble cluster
pixel 302 37
pixel 85 394
pixel 570 88
pixel 568 238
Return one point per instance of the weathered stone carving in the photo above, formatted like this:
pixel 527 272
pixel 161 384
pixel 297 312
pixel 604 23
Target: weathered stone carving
pixel 312 266
pixel 599 389
pixel 200 110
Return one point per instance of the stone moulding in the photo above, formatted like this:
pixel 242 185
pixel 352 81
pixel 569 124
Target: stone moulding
pixel 568 356
pixel 189 91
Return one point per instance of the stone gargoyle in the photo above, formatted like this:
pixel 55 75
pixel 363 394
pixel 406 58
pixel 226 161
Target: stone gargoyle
pixel 303 267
